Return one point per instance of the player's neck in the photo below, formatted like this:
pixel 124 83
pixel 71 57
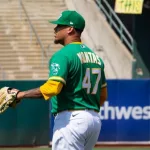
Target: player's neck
pixel 71 40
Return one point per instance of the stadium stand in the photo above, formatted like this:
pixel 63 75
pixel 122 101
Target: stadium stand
pixel 26 39
pixel 45 10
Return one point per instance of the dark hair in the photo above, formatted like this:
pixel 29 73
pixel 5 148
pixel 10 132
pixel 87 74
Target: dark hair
pixel 79 31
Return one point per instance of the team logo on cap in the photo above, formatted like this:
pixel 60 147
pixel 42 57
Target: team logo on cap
pixel 60 16
pixel 71 22
pixel 55 68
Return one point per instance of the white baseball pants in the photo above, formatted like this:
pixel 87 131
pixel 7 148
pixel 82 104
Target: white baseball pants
pixel 76 130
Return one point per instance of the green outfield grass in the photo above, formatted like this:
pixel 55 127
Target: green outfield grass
pixel 114 148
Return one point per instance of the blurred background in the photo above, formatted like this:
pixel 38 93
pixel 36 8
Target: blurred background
pixel 117 30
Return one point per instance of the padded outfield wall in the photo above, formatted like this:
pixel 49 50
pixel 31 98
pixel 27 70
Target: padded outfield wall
pixel 125 116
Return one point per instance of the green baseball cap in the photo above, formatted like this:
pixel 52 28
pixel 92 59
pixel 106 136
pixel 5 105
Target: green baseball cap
pixel 70 18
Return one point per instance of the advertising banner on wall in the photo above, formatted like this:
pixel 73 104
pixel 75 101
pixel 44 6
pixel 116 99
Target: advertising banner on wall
pixel 126 113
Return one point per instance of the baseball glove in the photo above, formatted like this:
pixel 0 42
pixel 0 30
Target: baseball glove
pixel 7 98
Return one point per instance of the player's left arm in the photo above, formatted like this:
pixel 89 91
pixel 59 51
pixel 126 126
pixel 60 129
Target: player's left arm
pixel 58 67
pixel 47 90
pixel 51 88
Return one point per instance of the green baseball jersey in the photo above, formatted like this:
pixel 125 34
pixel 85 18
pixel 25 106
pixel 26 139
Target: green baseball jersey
pixel 82 73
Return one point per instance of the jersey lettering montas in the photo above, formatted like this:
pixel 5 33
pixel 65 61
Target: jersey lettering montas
pixel 82 73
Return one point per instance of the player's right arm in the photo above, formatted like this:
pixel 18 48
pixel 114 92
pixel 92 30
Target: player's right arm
pixel 103 94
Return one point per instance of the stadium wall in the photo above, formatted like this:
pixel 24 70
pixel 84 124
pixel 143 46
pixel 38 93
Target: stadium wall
pixel 28 123
pixel 125 116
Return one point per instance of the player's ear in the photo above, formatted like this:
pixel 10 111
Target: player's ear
pixel 70 30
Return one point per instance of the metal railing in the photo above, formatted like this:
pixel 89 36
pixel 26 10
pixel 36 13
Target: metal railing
pixel 43 53
pixel 115 22
pixel 125 36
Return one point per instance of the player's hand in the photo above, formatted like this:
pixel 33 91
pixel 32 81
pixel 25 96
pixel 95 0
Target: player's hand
pixel 16 101
pixel 7 98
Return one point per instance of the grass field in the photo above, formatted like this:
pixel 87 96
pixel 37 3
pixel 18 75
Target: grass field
pixel 114 148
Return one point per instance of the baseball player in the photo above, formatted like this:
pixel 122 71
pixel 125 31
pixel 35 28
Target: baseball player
pixel 76 87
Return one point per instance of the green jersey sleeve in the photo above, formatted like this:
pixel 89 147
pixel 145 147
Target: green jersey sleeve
pixel 58 67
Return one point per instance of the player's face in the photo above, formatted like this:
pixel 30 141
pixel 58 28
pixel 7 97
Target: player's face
pixel 60 34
